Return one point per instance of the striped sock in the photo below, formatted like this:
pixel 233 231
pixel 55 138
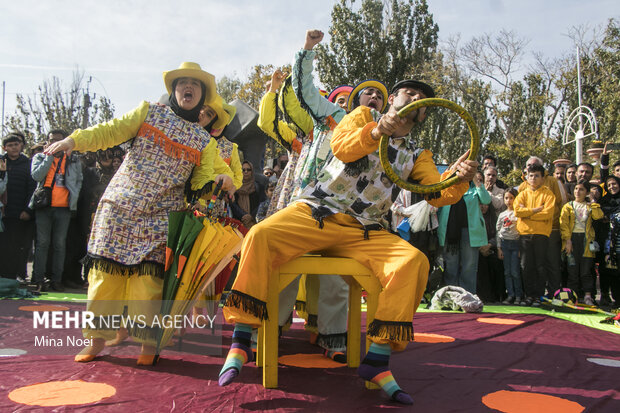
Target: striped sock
pixel 239 354
pixel 374 368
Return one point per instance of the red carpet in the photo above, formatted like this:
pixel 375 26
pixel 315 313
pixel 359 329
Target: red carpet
pixel 459 363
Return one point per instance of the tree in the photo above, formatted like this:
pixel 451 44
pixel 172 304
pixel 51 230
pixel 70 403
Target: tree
pixel 381 40
pixel 251 92
pixel 524 111
pixel 228 87
pixel 56 108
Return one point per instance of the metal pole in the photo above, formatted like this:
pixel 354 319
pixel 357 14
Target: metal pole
pixel 579 135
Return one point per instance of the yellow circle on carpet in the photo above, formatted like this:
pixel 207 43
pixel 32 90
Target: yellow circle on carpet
pixel 48 307
pixel 309 361
pixel 431 338
pixel 505 321
pixel 61 393
pixel 518 401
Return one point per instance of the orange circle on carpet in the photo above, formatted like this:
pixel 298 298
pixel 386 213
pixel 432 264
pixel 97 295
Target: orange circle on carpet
pixel 505 321
pixel 431 338
pixel 47 307
pixel 61 393
pixel 518 401
pixel 309 361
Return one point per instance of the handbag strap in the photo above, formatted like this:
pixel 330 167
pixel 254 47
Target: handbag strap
pixel 57 169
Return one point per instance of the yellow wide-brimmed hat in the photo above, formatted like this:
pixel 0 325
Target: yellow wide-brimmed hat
pixel 353 97
pixel 191 69
pixel 225 112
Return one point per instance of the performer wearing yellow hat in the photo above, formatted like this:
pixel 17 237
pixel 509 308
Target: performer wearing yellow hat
pixel 126 250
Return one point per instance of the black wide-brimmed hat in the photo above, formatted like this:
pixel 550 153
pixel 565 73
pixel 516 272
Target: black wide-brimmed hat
pixel 416 84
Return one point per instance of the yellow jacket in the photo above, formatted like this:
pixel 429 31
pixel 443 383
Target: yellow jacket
pixel 528 222
pixel 567 223
pixel 285 134
pixel 551 183
pixel 119 130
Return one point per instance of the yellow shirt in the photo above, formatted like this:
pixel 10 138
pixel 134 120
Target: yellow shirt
pixel 535 223
pixel 551 183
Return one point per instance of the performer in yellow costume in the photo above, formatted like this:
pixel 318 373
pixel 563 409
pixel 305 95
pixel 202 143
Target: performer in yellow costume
pixel 342 214
pixel 126 249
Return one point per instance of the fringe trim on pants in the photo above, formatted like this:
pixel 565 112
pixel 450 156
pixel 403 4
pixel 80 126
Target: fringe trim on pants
pixel 336 341
pixel 248 304
pixel 391 330
pixel 152 268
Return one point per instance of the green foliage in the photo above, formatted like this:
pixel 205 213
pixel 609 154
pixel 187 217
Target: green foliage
pixel 228 87
pixel 380 40
pixel 443 132
pixel 55 107
pixel 251 91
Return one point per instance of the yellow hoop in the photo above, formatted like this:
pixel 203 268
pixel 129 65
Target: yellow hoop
pixel 452 179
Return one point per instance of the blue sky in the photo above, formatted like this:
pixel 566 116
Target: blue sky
pixel 126 45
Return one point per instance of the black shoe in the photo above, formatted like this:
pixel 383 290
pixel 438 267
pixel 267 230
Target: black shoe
pixel 56 286
pixel 40 287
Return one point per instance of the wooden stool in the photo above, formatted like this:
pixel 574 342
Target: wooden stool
pixel 354 273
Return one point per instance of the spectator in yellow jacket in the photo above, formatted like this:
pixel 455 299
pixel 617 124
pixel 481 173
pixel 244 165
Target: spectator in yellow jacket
pixel 554 245
pixel 577 237
pixel 534 207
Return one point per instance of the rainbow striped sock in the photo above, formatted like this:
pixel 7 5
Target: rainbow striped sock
pixel 239 354
pixel 375 368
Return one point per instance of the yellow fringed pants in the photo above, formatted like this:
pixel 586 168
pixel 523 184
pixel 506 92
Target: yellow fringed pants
pixel 401 269
pixel 108 294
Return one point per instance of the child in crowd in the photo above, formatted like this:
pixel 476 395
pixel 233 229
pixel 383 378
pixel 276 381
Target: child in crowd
pixel 508 248
pixel 577 237
pixel 261 213
pixel 534 208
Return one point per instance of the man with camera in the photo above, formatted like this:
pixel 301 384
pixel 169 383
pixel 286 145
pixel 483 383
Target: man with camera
pixel 59 179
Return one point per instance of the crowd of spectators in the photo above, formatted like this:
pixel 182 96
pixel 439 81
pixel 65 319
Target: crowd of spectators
pixel 47 202
pixel 558 228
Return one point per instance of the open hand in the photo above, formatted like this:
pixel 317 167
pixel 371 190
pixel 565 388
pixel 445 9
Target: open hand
pixel 66 145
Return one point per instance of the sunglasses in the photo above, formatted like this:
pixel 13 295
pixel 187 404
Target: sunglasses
pixel 268 173
pixel 246 170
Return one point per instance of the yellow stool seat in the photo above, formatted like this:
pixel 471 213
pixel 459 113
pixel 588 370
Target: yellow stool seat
pixel 354 273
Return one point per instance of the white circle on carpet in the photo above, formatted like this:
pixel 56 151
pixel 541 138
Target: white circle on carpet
pixel 11 352
pixel 605 362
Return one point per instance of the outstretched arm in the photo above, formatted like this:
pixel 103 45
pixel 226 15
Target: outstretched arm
pixel 303 83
